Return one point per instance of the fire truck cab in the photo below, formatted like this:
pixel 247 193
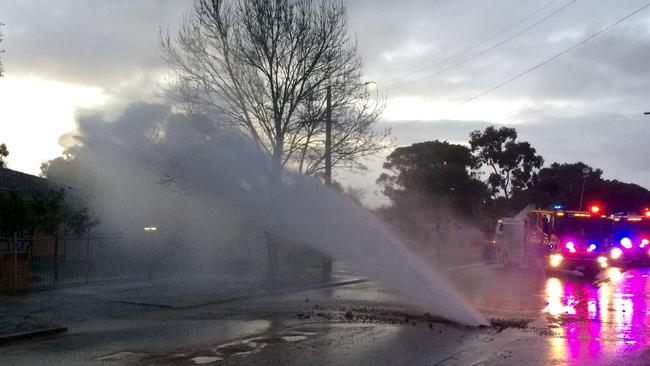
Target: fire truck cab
pixel 578 240
pixel 555 239
pixel 630 245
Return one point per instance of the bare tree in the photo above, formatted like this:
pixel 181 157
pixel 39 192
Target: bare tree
pixel 4 152
pixel 264 65
pixel 2 70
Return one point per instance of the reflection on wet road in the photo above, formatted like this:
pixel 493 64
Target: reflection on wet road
pixel 590 318
pixel 585 321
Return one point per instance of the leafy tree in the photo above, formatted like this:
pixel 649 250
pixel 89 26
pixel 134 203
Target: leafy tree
pixel 16 213
pixel 47 212
pixel 355 195
pixel 562 183
pixel 4 152
pixel 618 196
pixel 436 198
pixel 512 164
pixel 265 66
pixel 436 172
pixel 66 171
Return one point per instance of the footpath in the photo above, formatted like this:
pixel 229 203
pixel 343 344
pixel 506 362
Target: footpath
pixel 49 312
pixel 54 311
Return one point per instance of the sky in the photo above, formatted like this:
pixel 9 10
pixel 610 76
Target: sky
pixel 429 58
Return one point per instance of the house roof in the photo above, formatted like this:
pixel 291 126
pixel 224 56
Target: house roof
pixel 12 180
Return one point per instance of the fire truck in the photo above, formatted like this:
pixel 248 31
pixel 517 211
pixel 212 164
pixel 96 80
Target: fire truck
pixel 555 239
pixel 630 244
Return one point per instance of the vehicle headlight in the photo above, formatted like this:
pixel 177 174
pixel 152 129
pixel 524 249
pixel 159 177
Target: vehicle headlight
pixel 555 260
pixel 626 243
pixel 602 261
pixel 616 253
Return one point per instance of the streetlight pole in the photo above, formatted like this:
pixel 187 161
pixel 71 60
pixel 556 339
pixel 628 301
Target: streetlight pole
pixel 326 266
pixel 585 174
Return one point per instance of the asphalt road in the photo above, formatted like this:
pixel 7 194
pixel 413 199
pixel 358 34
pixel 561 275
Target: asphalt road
pixel 558 319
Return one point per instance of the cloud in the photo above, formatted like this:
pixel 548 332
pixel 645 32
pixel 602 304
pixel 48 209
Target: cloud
pixel 87 42
pixel 113 45
pixel 205 191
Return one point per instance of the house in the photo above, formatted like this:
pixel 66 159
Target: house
pixel 26 184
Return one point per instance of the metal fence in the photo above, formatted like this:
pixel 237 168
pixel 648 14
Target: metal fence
pixel 65 261
pixel 60 261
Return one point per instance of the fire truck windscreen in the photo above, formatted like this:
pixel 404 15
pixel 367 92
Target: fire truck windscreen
pixel 587 227
pixel 638 226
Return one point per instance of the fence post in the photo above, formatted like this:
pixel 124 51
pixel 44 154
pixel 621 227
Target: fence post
pixel 15 262
pixel 56 258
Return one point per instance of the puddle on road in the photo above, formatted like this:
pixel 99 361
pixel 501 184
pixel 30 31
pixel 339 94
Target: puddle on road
pixel 216 354
pixel 205 360
pixel 294 338
pixel 239 348
pixel 120 356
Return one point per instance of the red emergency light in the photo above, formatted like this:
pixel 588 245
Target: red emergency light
pixel 594 209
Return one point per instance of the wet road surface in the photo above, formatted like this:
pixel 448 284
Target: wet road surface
pixel 584 321
pixel 541 319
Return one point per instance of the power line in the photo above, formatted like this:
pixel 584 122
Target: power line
pixel 499 44
pixel 479 43
pixel 565 51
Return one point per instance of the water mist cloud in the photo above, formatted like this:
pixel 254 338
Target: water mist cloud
pixel 204 183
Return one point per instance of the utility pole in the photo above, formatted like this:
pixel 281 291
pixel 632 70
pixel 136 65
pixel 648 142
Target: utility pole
pixel 328 132
pixel 326 269
pixel 328 137
pixel 327 262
